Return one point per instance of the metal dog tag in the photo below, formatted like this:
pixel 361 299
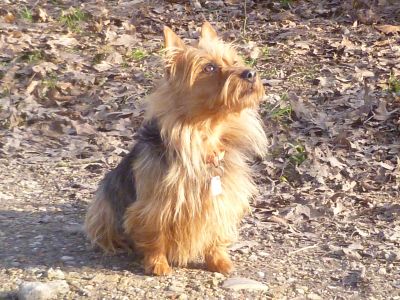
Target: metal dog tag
pixel 216 186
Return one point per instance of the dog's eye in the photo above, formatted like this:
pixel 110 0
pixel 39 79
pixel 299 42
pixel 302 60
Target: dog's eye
pixel 210 68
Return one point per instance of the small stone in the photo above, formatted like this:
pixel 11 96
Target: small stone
pixel 199 288
pixel 7 295
pixel 244 250
pixel 15 264
pixel 218 275
pixel 313 296
pixel 214 282
pixel 300 291
pixel 272 82
pixel 55 274
pixel 261 274
pixel 183 297
pixel 382 271
pixel 290 280
pixel 283 279
pixel 240 283
pixel 59 218
pixel 74 228
pixel 113 278
pixel 66 258
pixel 99 278
pixel 196 4
pixel 45 219
pixel 34 271
pixel 77 275
pixel 390 256
pixel 253 257
pixel 42 291
pixel 304 288
pixel 176 289
pixel 215 4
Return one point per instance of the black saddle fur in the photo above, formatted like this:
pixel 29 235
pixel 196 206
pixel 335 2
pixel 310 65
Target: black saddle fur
pixel 118 186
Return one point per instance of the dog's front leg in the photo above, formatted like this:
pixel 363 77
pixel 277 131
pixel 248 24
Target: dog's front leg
pixel 155 262
pixel 147 240
pixel 217 260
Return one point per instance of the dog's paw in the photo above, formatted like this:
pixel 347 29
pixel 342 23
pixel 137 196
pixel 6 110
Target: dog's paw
pixel 220 264
pixel 156 265
pixel 161 269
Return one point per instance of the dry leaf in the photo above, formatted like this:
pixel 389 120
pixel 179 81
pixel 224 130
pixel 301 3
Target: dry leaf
pixel 65 41
pixel 103 66
pixel 43 16
pixel 83 128
pixel 31 87
pixel 9 18
pixel 125 40
pixel 381 113
pixel 44 68
pixel 388 29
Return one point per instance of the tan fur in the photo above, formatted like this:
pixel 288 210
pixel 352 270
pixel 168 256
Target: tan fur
pixel 175 219
pixel 100 225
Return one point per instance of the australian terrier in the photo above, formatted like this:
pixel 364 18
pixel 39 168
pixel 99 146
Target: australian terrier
pixel 182 191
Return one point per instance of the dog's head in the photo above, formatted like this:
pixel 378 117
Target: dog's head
pixel 209 78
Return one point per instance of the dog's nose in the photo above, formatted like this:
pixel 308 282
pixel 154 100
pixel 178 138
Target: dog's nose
pixel 249 75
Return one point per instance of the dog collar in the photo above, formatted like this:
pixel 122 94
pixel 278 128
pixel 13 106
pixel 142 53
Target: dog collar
pixel 216 158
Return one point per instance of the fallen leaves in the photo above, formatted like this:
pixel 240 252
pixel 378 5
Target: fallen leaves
pixel 44 68
pixel 388 29
pixel 125 40
pixel 72 93
pixel 64 40
pixel 381 113
pixel 9 18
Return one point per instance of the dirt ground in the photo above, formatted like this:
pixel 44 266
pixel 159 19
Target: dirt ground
pixel 326 224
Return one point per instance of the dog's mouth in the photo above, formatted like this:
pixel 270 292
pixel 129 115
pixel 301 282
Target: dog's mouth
pixel 249 91
pixel 252 88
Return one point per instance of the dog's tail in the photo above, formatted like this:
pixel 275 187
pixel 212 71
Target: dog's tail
pixel 101 224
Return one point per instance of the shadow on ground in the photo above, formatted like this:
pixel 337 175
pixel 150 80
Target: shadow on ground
pixel 56 239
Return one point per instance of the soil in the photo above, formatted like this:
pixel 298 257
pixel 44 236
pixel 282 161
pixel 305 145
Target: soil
pixel 326 224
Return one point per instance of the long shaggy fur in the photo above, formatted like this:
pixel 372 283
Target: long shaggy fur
pixel 159 197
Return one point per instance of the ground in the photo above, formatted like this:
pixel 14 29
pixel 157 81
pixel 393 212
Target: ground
pixel 326 223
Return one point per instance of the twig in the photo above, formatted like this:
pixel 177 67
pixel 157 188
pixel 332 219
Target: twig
pixel 304 248
pixel 272 183
pixel 245 18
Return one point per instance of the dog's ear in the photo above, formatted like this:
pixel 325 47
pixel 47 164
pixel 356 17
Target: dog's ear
pixel 208 32
pixel 173 50
pixel 171 40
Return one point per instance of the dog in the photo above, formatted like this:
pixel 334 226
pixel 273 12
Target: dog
pixel 181 192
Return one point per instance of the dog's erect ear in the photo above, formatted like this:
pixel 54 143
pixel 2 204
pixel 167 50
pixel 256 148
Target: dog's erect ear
pixel 171 40
pixel 208 32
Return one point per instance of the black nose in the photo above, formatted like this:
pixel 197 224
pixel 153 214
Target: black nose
pixel 249 75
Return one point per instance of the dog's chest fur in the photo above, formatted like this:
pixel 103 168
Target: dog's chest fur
pixel 179 180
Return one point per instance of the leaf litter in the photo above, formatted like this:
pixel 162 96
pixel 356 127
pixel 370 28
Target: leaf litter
pixel 73 78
